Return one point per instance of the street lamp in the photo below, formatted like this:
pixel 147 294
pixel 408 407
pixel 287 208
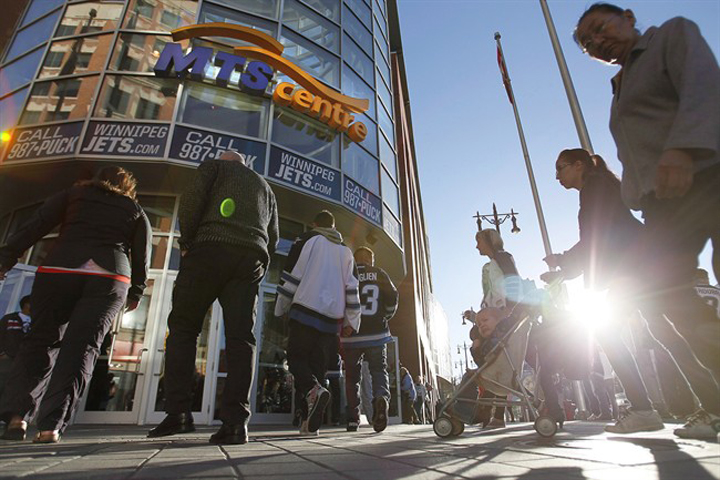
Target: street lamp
pixel 498 219
pixel 465 347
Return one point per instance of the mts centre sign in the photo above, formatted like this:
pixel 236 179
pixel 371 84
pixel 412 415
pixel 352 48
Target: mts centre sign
pixel 308 96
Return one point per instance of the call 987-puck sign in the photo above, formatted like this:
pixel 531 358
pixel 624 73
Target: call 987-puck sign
pixel 43 142
pixel 193 145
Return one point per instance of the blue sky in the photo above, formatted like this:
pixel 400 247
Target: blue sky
pixel 467 145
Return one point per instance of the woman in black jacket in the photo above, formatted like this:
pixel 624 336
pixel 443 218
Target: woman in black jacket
pixel 609 255
pixel 98 262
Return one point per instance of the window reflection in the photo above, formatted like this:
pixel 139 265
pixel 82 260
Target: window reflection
pixel 327 8
pixel 311 25
pixel 224 109
pixel 19 72
pixel 361 166
pixel 311 58
pixel 384 93
pixel 267 8
pixel 382 28
pixel 60 100
pixel 371 140
pixel 38 8
pixel 136 52
pixel 143 98
pixel 354 86
pixel 383 66
pixel 358 32
pixel 10 108
pixel 306 136
pixel 213 13
pixel 32 36
pixel 90 17
pixel 358 60
pixel 360 8
pixel 390 193
pixel 159 211
pixel 387 156
pixel 160 15
pixel 80 55
pixel 386 124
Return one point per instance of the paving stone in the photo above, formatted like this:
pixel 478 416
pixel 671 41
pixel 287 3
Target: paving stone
pixel 280 468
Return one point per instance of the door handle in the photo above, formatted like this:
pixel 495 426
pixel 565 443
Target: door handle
pixel 139 362
pixel 162 360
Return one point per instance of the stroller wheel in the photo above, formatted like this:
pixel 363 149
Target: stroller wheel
pixel 545 426
pixel 443 427
pixel 458 427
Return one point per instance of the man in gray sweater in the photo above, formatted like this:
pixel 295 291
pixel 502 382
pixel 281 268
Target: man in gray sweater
pixel 229 226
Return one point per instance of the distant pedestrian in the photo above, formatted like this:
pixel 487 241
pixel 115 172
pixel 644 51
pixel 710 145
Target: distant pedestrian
pixel 229 226
pixel 99 261
pixel 420 398
pixel 14 327
pixel 318 292
pixel 379 299
pixel 665 119
pixel 407 396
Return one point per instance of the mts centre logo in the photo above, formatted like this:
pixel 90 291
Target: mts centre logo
pixel 257 66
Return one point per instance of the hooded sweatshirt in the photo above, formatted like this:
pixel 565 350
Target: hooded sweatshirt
pixel 319 285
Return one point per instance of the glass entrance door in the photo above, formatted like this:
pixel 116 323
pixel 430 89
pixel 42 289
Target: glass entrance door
pixel 206 361
pixel 115 391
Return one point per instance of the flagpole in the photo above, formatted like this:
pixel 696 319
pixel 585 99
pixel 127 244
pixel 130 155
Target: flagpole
pixel 528 164
pixel 567 81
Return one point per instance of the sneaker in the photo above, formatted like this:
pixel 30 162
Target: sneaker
pixel 305 432
pixel 701 425
pixel 637 421
pixel 352 426
pixel 317 399
pixel 494 423
pixel 380 414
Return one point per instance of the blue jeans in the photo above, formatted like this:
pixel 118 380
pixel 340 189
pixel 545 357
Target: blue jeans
pixel 377 359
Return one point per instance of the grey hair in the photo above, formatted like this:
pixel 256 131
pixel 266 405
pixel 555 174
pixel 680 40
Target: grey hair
pixel 492 238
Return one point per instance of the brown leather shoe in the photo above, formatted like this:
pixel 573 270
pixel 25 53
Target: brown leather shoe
pixel 15 431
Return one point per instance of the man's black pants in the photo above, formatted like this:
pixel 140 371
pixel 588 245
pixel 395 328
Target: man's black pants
pixel 676 231
pixel 71 314
pixel 231 274
pixel 308 357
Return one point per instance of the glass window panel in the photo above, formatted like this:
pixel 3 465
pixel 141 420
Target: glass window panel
pixel 159 211
pixel 159 251
pixel 160 15
pixel 10 108
pixel 32 36
pixel 371 140
pixel 19 72
pixel 386 124
pixel 223 109
pixel 213 13
pixel 142 98
pixel 136 52
pixel 311 25
pixel 380 26
pixel 267 8
pixel 384 48
pixel 361 9
pixel 79 55
pixel 387 156
pixel 390 193
pixel 327 8
pixel 381 4
pixel 311 58
pixel 361 166
pixel 392 226
pixel 38 8
pixel 358 32
pixel 40 251
pixel 384 93
pixel 91 17
pixel 353 86
pixel 275 383
pixel 357 59
pixel 60 100
pixel 306 136
pixel 175 255
pixel 384 67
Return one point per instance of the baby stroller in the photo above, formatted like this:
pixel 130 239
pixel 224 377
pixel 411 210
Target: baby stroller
pixel 501 375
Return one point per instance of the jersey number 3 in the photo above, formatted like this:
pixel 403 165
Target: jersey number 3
pixel 370 295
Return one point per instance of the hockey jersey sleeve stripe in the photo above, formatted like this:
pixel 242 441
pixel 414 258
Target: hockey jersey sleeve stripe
pixel 289 278
pixel 352 306
pixel 285 292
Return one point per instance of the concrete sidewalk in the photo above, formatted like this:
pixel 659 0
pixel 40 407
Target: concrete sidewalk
pixel 580 451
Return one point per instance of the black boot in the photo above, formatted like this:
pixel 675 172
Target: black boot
pixel 172 424
pixel 230 435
